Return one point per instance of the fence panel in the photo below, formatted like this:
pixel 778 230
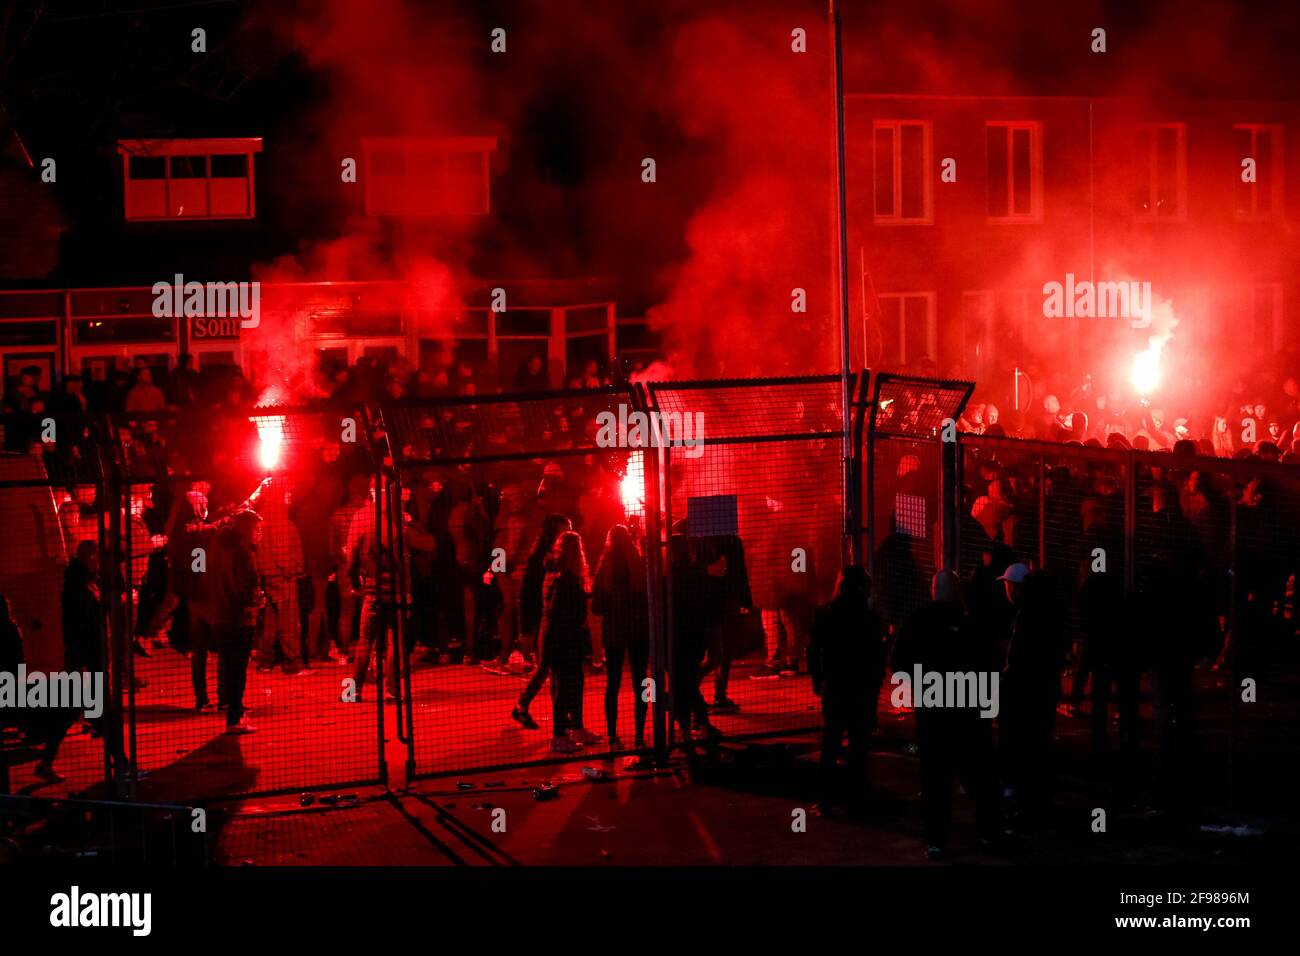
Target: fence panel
pixel 1175 578
pixel 911 419
pixel 246 538
pixel 488 489
pixel 755 505
pixel 51 509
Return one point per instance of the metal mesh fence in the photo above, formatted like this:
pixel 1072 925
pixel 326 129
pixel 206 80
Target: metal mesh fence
pixel 1173 577
pixel 911 420
pixel 521 523
pixel 244 541
pixel 52 615
pixel 754 504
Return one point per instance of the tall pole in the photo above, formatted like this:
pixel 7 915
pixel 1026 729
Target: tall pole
pixel 848 492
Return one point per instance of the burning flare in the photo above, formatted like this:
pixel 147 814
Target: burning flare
pixel 1146 370
pixel 270 434
pixel 632 487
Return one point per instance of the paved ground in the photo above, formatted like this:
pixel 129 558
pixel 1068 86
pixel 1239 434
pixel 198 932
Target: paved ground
pixel 739 809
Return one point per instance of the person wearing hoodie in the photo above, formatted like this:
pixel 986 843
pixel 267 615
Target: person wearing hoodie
pixel 846 660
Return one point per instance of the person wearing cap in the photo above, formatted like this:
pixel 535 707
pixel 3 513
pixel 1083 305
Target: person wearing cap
pixel 953 742
pixel 1030 687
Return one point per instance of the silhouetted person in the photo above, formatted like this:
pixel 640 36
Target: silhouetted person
pixel 236 599
pixel 1108 648
pixel 83 611
pixel 691 625
pixel 566 642
pixel 619 599
pixel 846 660
pixel 531 606
pixel 45 727
pixel 1177 625
pixel 531 376
pixel 955 743
pixel 723 557
pixel 1030 687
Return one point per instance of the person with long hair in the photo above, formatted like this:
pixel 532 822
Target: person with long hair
pixel 531 603
pixel 618 598
pixel 566 642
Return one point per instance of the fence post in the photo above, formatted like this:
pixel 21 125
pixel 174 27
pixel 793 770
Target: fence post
pixel 120 774
pixel 1042 510
pixel 1233 597
pixel 1130 524
pixel 949 495
pixel 659 598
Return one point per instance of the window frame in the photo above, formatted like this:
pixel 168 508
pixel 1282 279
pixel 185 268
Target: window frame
pixel 931 299
pixel 170 150
pixel 1278 166
pixel 1036 189
pixel 896 218
pixel 1150 131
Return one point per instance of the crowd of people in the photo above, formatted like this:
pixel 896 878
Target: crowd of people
pixel 303 570
pixel 1261 419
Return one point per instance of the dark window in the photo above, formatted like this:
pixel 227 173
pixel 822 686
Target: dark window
pixel 997 170
pixel 234 166
pixel 913 171
pixel 87 331
pixel 884 153
pixel 189 167
pixel 147 167
pixel 1021 166
pixel 524 323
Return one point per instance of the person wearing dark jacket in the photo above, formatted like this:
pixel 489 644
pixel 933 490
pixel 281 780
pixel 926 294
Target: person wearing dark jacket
pixel 83 611
pixel 531 608
pixel 566 642
pixel 954 742
pixel 618 598
pixel 236 596
pixel 43 726
pixel 724 559
pixel 846 660
pixel 691 627
pixel 1031 687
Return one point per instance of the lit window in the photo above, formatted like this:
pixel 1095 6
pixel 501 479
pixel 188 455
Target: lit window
pixel 1014 166
pixel 1261 199
pixel 901 170
pixel 166 179
pixel 427 176
pixel 1161 174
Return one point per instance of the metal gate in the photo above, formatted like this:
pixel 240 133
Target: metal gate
pixel 280 622
pixel 481 491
